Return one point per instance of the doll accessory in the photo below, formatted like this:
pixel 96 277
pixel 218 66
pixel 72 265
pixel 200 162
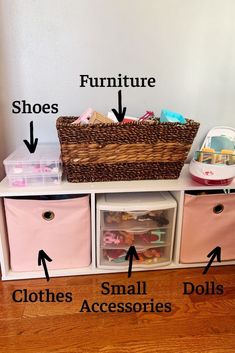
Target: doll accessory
pixel 84 117
pixel 168 116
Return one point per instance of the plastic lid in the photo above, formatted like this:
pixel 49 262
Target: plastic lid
pixel 137 201
pixel 44 153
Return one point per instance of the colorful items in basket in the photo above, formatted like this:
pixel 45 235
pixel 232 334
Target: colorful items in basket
pixel 168 116
pixel 118 217
pixel 90 116
pixel 146 256
pixel 84 118
pixel 126 119
pixel 147 116
pixel 121 238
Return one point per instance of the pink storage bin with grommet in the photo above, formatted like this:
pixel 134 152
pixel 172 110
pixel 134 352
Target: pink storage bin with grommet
pixel 60 227
pixel 208 222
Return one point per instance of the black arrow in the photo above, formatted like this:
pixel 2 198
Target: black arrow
pixel 121 113
pixel 130 253
pixel 42 257
pixel 216 252
pixel 33 143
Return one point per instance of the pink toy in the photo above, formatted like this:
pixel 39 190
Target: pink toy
pixel 84 117
pixel 37 169
pixel 19 182
pixel 111 238
pixel 146 116
pixel 46 170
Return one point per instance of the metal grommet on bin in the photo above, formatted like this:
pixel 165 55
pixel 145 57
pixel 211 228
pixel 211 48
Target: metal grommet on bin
pixel 218 208
pixel 48 215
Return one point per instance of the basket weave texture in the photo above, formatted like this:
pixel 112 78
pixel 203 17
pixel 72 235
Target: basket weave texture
pixel 118 151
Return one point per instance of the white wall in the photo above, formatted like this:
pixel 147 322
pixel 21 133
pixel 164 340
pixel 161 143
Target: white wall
pixel 188 45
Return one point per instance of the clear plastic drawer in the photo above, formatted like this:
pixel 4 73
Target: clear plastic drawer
pixel 148 256
pixel 143 220
pixel 24 181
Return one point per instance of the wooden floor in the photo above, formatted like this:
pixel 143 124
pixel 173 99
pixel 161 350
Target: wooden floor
pixel 196 324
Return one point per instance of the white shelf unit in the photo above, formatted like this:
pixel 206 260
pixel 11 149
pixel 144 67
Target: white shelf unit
pixel 176 187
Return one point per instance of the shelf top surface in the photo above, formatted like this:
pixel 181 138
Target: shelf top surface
pixel 183 183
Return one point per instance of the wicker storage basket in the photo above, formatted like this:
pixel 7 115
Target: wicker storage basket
pixel 118 151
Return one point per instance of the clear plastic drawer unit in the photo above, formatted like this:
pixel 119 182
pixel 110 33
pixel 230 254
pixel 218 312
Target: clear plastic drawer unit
pixel 145 220
pixel 39 168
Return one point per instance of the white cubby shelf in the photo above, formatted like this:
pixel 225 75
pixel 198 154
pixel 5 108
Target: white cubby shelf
pixel 176 187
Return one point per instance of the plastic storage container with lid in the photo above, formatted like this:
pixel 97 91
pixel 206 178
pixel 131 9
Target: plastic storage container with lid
pixel 39 168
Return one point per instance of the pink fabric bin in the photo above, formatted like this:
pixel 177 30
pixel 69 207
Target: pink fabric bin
pixel 208 221
pixel 59 227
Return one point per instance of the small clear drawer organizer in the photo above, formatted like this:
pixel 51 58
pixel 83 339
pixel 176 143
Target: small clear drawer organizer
pixel 145 220
pixel 39 168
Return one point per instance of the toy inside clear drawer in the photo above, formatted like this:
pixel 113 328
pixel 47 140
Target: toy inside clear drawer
pixel 137 220
pixel 140 237
pixel 148 256
pixel 24 181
